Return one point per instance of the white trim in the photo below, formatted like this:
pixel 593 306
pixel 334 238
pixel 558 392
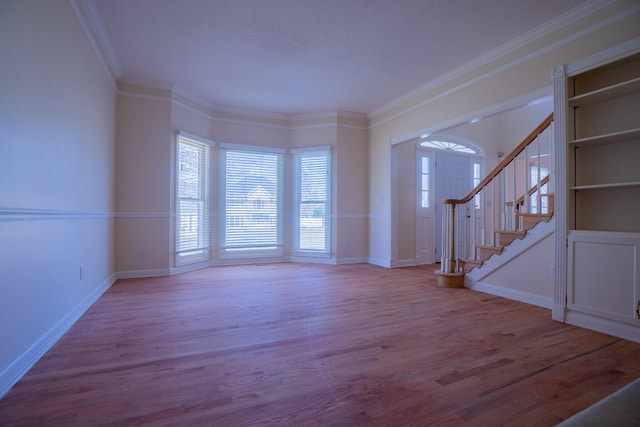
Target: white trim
pixel 407 262
pixel 145 215
pixel 202 110
pixel 247 147
pixel 146 97
pixel 379 262
pixel 319 149
pixel 606 56
pixel 351 260
pixel 526 297
pixel 93 27
pixel 514 45
pixel 353 216
pixel 25 214
pixel 196 138
pixel 185 268
pixel 439 136
pixel 248 112
pixel 137 274
pixel 332 114
pixel 599 324
pixel 21 365
pixel 327 260
pixel 249 261
pixel 249 122
pixel 502 107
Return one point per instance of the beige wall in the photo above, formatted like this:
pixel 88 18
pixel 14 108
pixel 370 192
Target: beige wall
pixel 514 77
pixel 148 120
pixel 350 237
pixel 63 177
pixel 492 134
pixel 143 199
pixel 57 121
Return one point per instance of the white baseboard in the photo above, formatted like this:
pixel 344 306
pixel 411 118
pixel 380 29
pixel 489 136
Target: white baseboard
pixel 16 370
pixel 525 297
pixel 138 274
pixel 558 312
pixel 313 259
pixel 606 326
pixel 379 262
pixel 353 260
pixel 245 261
pixel 185 268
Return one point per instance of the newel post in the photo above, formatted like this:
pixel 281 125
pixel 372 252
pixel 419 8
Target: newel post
pixel 448 275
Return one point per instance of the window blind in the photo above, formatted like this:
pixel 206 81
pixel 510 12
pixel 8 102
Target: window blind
pixel 193 228
pixel 312 170
pixel 252 202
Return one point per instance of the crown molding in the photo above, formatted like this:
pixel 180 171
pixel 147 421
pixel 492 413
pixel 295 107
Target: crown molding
pixel 629 47
pixel 334 118
pixel 91 21
pixel 523 59
pixel 508 105
pixel 512 46
pixel 156 90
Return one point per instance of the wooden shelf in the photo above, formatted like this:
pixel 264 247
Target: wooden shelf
pixel 606 93
pixel 607 186
pixel 607 138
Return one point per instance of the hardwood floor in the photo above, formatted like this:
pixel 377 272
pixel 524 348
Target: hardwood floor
pixel 315 345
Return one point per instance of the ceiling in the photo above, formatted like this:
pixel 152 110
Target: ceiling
pixel 309 56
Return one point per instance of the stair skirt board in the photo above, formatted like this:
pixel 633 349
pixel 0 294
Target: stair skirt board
pixel 518 247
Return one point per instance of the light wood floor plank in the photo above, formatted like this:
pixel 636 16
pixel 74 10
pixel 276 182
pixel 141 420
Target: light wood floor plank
pixel 316 345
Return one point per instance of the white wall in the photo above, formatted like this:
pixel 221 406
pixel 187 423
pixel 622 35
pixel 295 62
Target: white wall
pixel 57 127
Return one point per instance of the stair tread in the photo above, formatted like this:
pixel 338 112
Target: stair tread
pixel 516 232
pixel 542 215
pixel 491 248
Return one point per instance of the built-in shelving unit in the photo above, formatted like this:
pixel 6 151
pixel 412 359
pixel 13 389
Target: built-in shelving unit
pixel 608 138
pixel 606 93
pixel 599 136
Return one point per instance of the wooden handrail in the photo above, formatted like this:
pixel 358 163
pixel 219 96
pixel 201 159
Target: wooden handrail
pixel 532 190
pixel 519 149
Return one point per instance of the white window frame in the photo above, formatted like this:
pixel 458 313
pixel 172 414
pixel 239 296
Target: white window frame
pixel 202 252
pixel 236 252
pixel 298 155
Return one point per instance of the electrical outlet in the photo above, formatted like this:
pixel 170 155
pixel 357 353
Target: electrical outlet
pixel 145 251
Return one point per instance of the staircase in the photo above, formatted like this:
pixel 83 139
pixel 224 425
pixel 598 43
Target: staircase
pixel 503 238
pixel 508 202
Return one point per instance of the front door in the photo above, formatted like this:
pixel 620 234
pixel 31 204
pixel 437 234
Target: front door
pixel 452 181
